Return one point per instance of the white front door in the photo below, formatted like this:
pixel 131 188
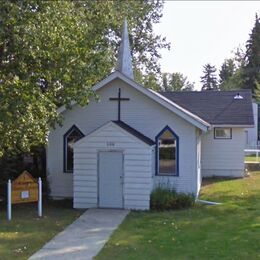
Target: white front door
pixel 110 180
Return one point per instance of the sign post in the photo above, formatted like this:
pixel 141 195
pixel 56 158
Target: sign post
pixel 24 189
pixel 40 197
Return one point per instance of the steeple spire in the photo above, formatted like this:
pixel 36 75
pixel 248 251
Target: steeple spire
pixel 124 61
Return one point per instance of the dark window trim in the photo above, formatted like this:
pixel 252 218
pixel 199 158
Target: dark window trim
pixel 74 127
pixel 223 138
pixel 157 173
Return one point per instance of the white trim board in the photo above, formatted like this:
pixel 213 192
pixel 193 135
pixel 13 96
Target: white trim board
pixel 173 107
pixel 178 110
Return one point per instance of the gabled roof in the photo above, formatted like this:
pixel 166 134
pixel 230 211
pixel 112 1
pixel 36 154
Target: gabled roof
pixel 217 107
pixel 202 109
pixel 24 177
pixel 124 127
pixel 134 132
pixel 169 104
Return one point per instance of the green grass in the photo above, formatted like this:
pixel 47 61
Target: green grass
pixel 26 233
pixel 227 231
pixel 252 159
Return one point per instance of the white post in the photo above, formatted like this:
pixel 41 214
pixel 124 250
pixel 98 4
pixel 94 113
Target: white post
pixel 40 197
pixel 9 200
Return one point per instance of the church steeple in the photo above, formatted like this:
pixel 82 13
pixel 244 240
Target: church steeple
pixel 124 61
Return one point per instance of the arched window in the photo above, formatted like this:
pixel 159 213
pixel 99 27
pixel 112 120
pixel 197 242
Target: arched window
pixel 71 136
pixel 167 152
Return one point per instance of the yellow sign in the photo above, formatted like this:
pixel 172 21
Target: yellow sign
pixel 24 189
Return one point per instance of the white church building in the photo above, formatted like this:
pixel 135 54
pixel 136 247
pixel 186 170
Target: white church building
pixel 113 152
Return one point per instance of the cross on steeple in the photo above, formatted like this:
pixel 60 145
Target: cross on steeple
pixel 119 99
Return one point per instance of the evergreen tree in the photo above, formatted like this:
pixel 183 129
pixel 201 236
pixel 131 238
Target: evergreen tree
pixel 252 68
pixel 231 74
pixel 227 70
pixel 209 79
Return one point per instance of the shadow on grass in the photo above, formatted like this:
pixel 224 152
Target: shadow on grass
pixel 26 232
pixel 227 231
pixel 211 180
pixel 207 232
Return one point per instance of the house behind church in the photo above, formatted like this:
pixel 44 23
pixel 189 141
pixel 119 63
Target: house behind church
pixel 115 151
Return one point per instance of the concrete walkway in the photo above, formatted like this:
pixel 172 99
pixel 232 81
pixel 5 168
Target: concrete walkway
pixel 85 237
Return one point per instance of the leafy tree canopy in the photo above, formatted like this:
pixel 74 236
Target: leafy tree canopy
pixel 52 52
pixel 176 82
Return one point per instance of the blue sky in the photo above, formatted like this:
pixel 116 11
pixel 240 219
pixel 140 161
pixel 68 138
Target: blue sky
pixel 203 32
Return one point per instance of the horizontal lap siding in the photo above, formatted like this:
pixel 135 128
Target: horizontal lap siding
pixel 141 113
pixel 223 157
pixel 136 173
pixel 85 179
pixel 60 185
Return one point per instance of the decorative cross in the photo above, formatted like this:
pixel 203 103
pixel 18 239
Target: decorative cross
pixel 119 99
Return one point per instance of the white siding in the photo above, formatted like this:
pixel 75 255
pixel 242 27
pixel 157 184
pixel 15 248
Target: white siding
pixel 251 133
pixel 223 157
pixel 142 114
pixel 199 176
pixel 137 181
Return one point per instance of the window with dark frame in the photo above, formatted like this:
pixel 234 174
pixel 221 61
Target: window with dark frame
pixel 167 153
pixel 71 137
pixel 222 133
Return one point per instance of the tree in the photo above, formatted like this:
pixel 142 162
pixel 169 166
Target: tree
pixel 52 52
pixel 151 81
pixel 236 81
pixel 231 76
pixel 176 82
pixel 257 92
pixel 252 67
pixel 227 70
pixel 209 79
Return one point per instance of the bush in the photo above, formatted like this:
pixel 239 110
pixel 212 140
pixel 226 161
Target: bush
pixel 163 198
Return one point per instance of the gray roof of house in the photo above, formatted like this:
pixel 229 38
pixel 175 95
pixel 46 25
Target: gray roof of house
pixel 216 107
pixel 134 132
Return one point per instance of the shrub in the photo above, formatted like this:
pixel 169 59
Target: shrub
pixel 163 198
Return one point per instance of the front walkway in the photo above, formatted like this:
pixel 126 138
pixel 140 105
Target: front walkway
pixel 85 237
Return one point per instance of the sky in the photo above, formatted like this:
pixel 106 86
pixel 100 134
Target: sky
pixel 203 32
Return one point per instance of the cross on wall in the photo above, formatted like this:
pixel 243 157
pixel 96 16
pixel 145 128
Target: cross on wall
pixel 119 99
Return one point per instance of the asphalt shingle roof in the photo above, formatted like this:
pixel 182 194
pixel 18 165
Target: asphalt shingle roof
pixel 134 132
pixel 216 107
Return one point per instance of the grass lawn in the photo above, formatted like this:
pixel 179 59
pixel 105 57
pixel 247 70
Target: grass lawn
pixel 252 159
pixel 26 233
pixel 228 231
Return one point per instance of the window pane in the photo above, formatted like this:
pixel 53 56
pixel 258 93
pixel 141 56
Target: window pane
pixel 73 137
pixel 167 154
pixel 223 133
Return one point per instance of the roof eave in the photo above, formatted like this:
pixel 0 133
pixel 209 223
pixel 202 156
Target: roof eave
pixel 180 111
pixel 234 126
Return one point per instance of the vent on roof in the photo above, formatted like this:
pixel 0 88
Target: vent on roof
pixel 238 96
